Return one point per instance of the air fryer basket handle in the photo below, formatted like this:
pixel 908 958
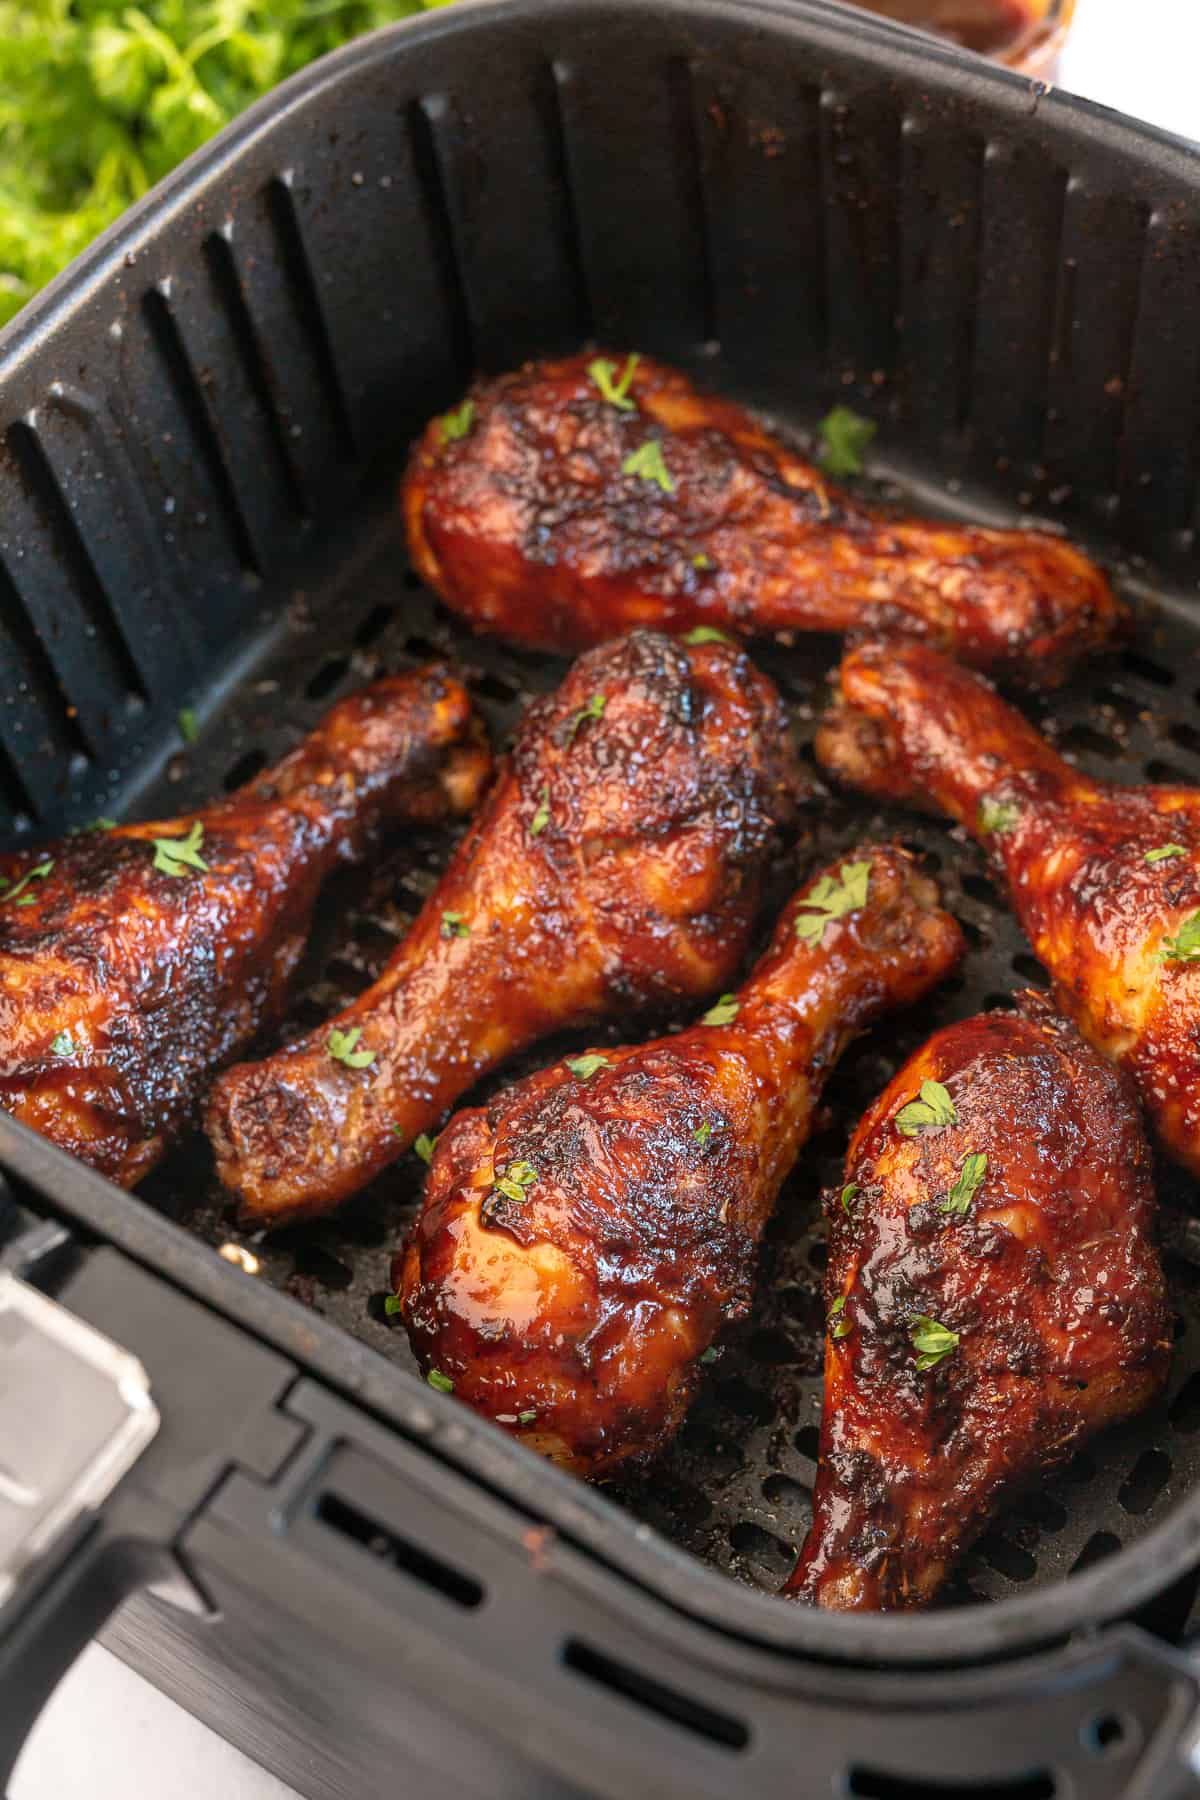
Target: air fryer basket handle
pixel 61 1614
pixel 76 1416
pixel 124 1405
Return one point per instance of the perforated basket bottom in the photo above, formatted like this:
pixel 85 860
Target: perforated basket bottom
pixel 735 1488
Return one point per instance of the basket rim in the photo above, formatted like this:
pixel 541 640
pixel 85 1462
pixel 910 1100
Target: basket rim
pixel 966 1636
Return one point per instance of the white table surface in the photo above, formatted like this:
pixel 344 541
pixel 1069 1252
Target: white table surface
pixel 107 1734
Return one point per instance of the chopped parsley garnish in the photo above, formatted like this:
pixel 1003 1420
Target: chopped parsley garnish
pixel 593 710
pixel 515 1180
pixel 454 925
pixel 457 423
pixel 934 1108
pixel 92 825
pixel 832 899
pixel 703 1132
pixel 844 436
pixel 63 1044
pixel 425 1146
pixel 844 1326
pixel 1164 851
pixel 724 1012
pixel 997 816
pixel 647 462
pixel 1185 945
pixel 9 891
pixel 848 1193
pixel 703 562
pixel 584 1067
pixel 392 1305
pixel 705 634
pixel 710 1355
pixel 441 1382
pixel 527 1417
pixel 341 1047
pixel 188 728
pixel 615 392
pixel 541 817
pixel 968 1184
pixel 930 1340
pixel 174 856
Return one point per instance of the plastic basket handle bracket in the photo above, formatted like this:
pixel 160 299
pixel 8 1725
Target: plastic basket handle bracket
pixel 76 1416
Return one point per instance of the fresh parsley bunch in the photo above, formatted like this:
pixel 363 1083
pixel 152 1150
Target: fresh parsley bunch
pixel 98 100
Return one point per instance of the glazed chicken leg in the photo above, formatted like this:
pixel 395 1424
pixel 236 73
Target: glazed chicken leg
pixel 574 499
pixel 134 961
pixel 994 1297
pixel 1105 880
pixel 586 1234
pixel 615 865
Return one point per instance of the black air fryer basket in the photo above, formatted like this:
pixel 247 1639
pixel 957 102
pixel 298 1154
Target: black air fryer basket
pixel 363 1585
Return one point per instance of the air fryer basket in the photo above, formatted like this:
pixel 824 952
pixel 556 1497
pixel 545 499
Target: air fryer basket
pixel 203 425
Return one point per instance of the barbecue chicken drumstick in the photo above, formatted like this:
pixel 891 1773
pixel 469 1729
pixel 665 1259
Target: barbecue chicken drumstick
pixel 564 502
pixel 587 1233
pixel 994 1297
pixel 614 866
pixel 134 961
pixel 1104 879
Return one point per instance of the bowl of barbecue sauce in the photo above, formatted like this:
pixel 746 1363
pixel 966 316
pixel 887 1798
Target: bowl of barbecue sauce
pixel 1025 34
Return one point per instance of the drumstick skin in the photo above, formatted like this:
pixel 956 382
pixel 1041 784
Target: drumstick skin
pixel 586 1234
pixel 615 865
pixel 1104 879
pixel 994 1296
pixel 135 960
pixel 545 512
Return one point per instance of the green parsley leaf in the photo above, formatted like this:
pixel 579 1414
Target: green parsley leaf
pixel 997 816
pixel 848 1193
pixel 934 1108
pixel 425 1147
pixel 92 825
pixel 593 710
pixel 541 817
pixel 1164 851
pixel 968 1184
pixel 843 1327
pixel 392 1305
pixel 456 423
pixel 710 1355
pixel 844 437
pixel 703 1132
pixel 705 634
pixel 724 1012
pixel 647 462
pixel 10 890
pixel 703 562
pixel 831 899
pixel 584 1067
pixel 172 856
pixel 527 1417
pixel 63 1044
pixel 516 1178
pixel 341 1048
pixel 616 393
pixel 454 925
pixel 441 1382
pixel 931 1340
pixel 189 730
pixel 1185 945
